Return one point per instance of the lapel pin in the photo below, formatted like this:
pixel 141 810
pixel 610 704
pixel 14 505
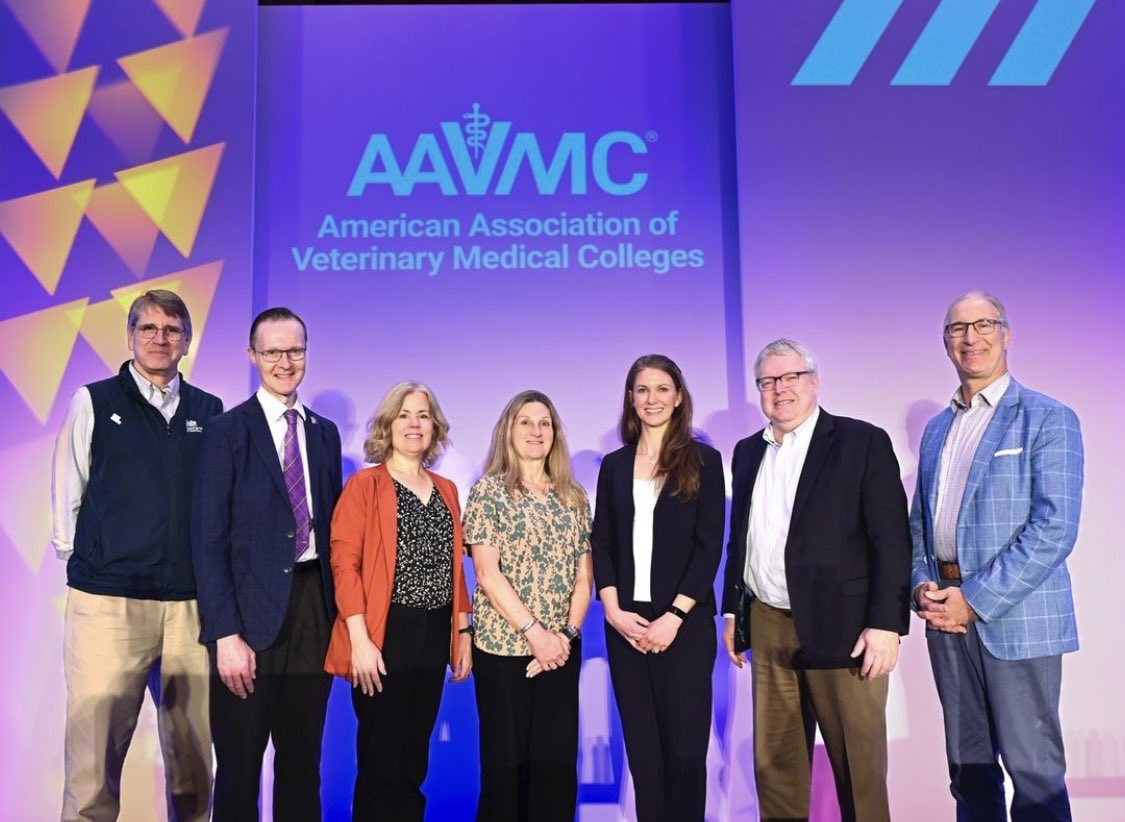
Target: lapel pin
pixel 116 418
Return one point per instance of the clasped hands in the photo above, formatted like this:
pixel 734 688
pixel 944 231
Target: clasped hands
pixel 647 637
pixel 944 609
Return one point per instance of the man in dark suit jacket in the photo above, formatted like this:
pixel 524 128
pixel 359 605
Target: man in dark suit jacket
pixel 267 479
pixel 820 549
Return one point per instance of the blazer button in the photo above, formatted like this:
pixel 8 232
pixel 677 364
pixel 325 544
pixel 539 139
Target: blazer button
pixel 288 569
pixel 291 534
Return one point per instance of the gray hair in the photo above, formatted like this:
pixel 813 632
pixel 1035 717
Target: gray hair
pixel 168 302
pixel 978 295
pixel 782 347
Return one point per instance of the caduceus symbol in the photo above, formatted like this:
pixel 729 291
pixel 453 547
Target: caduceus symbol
pixel 476 129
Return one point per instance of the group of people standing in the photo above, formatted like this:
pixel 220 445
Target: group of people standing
pixel 290 576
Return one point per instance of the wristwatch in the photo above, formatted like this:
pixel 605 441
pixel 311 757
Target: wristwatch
pixel 572 632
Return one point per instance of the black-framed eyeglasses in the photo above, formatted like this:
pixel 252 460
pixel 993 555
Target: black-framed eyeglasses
pixel 172 333
pixel 274 354
pixel 983 327
pixel 787 380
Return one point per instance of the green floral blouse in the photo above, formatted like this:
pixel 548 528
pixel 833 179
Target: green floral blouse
pixel 540 542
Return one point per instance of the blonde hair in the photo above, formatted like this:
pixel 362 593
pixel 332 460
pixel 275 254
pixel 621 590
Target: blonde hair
pixel 377 447
pixel 503 462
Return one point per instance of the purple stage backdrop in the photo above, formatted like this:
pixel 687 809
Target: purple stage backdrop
pixel 872 192
pixel 491 198
pixel 540 195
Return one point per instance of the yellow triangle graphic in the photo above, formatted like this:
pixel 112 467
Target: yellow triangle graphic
pixel 175 78
pixel 184 14
pixel 25 515
pixel 41 228
pixel 50 334
pixel 103 327
pixel 174 191
pixel 127 229
pixel 53 25
pixel 48 112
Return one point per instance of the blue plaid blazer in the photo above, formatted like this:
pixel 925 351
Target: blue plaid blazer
pixel 1017 524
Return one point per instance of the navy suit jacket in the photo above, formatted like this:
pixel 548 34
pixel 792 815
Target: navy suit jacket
pixel 847 559
pixel 243 529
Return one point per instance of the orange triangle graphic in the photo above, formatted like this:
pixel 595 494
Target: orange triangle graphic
pixel 50 334
pixel 127 229
pixel 174 191
pixel 175 78
pixel 53 26
pixel 25 515
pixel 184 14
pixel 48 112
pixel 41 228
pixel 103 326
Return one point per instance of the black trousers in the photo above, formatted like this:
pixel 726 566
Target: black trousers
pixel 289 702
pixel 394 726
pixel 528 739
pixel 665 705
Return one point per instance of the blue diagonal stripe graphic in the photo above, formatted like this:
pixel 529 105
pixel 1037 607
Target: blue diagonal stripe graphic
pixel 845 45
pixel 1041 43
pixel 944 43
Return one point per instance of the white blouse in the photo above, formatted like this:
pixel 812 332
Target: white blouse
pixel 645 493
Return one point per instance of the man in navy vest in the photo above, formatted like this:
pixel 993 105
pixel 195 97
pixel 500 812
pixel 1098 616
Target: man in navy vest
pixel 121 505
pixel 269 476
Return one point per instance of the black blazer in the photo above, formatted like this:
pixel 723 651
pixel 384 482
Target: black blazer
pixel 687 534
pixel 847 560
pixel 243 528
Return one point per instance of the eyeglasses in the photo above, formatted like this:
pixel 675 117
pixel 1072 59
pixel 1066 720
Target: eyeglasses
pixel 274 354
pixel 172 333
pixel 982 327
pixel 784 380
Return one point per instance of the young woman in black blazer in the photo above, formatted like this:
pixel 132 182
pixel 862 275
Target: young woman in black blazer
pixel 656 542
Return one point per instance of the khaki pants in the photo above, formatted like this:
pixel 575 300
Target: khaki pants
pixel 111 647
pixel 790 703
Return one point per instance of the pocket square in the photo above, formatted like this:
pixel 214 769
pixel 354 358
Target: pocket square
pixel 1007 452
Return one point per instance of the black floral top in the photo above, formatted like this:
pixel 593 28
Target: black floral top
pixel 424 566
pixel 540 541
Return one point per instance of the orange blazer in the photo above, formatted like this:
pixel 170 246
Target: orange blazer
pixel 364 546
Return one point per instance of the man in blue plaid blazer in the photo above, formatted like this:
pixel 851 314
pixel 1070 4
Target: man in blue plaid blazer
pixel 995 515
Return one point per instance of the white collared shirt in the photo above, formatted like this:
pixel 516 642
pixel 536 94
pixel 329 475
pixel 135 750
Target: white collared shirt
pixel 771 509
pixel 70 466
pixel 274 410
pixel 957 454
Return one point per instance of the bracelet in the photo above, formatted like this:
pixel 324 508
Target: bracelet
pixel 470 629
pixel 529 626
pixel 572 633
pixel 680 612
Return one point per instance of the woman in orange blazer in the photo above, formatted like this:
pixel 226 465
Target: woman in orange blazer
pixel 403 606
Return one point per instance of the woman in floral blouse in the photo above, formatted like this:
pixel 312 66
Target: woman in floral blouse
pixel 527 522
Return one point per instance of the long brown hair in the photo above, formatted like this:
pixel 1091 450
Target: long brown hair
pixel 679 460
pixel 502 461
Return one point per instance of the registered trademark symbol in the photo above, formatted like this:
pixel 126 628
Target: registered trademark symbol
pixel 651 136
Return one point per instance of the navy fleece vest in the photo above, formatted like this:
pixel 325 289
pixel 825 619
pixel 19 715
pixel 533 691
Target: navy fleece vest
pixel 133 534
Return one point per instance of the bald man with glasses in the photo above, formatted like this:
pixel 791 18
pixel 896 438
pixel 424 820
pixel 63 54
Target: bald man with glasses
pixel 994 517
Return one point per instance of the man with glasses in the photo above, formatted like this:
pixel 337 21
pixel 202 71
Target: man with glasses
pixel 818 563
pixel 995 516
pixel 121 498
pixel 268 478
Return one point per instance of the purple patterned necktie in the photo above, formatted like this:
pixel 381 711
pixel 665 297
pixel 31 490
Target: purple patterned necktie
pixel 294 472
